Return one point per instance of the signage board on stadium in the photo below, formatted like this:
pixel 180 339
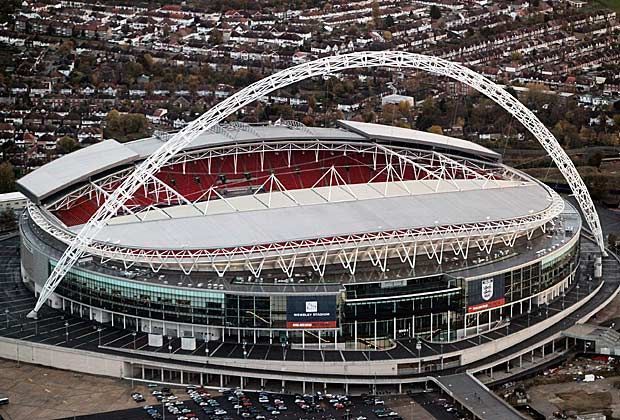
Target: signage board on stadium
pixel 311 312
pixel 485 293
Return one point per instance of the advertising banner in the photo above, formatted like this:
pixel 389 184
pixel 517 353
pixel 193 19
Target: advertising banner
pixel 188 343
pixel 311 312
pixel 156 340
pixel 485 293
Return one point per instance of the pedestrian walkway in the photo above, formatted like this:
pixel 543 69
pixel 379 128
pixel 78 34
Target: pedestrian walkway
pixel 477 398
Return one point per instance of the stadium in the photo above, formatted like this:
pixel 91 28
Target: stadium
pixel 333 255
pixel 338 238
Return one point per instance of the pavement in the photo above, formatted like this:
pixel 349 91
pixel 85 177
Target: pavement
pixel 477 398
pixel 39 393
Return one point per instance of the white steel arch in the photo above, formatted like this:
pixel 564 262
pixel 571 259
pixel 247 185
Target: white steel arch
pixel 321 67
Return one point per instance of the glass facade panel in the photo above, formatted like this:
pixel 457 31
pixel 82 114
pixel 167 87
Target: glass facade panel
pixel 425 306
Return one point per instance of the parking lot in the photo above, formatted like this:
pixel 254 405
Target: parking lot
pixel 252 405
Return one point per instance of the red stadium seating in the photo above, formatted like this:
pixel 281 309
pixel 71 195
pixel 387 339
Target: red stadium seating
pixel 302 170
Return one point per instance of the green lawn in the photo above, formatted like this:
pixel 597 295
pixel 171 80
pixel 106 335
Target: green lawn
pixel 610 4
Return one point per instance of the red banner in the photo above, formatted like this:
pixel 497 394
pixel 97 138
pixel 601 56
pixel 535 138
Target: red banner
pixel 311 324
pixel 486 305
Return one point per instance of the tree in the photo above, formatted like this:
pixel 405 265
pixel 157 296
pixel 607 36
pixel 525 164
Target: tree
pixel 435 129
pixel 566 133
pixel 597 186
pixel 124 127
pixel 8 9
pixel 388 22
pixel 66 145
pixel 405 109
pixel 376 13
pixel 435 12
pixel 614 241
pixel 7 220
pixel 7 177
pixel 595 159
pixel 215 38
pixel 428 115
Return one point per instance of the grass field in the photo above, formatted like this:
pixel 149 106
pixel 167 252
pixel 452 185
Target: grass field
pixel 611 4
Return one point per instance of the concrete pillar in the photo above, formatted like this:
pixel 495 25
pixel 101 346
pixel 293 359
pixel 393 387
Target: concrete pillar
pixel 355 334
pixel 283 385
pixel 520 360
pixel 542 349
pixel 490 316
pixel 375 340
pixel 552 346
pixel 221 381
pixel 162 375
pixel 303 387
pixel 182 376
pixel 400 388
pixel 394 335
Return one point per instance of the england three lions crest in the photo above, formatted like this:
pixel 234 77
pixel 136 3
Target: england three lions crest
pixel 487 289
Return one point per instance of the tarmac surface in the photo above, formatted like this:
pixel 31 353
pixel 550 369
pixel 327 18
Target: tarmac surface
pixel 405 406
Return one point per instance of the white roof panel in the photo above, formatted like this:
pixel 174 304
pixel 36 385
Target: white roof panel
pixel 75 167
pixel 385 132
pixel 289 223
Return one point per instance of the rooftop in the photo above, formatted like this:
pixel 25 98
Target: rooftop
pixel 254 225
pixel 82 165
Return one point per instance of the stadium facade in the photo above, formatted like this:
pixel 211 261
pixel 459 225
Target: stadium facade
pixel 350 238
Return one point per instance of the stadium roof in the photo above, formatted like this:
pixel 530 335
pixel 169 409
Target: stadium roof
pixel 75 167
pixel 329 219
pixel 389 133
pixel 82 165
